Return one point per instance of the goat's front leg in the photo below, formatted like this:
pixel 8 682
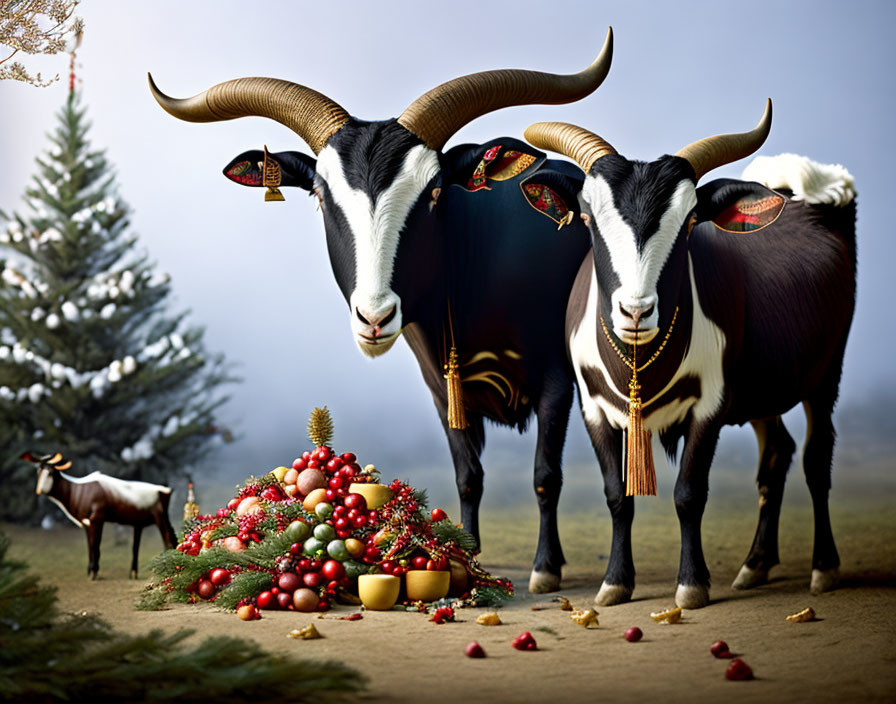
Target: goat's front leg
pixel 691 491
pixel 466 447
pixel 94 530
pixel 619 578
pixel 553 419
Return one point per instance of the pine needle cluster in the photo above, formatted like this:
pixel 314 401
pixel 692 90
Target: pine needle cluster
pixel 47 657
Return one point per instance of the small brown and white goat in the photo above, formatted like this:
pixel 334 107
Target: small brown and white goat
pixel 92 500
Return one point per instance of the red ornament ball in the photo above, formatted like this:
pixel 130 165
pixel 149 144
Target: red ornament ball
pixel 205 588
pixel 219 577
pixel 289 582
pixel 332 569
pixel 438 515
pixel 265 600
pixel 284 600
pixel 633 634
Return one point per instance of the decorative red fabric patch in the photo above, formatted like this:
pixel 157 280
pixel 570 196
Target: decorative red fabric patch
pixel 749 215
pixel 547 201
pixel 245 173
pixel 496 166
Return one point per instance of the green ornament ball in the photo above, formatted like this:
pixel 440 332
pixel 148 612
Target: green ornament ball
pixel 298 531
pixel 312 546
pixel 337 550
pixel 323 510
pixel 324 532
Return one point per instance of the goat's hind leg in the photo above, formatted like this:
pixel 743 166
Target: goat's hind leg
pixel 776 448
pixel 817 457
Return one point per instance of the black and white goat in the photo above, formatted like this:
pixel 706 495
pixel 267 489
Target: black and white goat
pixel 746 293
pixel 91 501
pixel 420 246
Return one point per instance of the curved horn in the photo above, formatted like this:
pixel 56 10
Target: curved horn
pixel 439 113
pixel 311 115
pixel 710 153
pixel 575 142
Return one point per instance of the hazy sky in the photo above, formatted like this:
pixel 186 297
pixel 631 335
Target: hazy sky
pixel 256 274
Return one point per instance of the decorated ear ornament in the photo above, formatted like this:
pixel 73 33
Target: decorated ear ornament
pixel 271 178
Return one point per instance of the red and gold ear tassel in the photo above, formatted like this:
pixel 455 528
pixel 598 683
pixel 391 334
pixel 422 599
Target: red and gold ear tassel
pixel 271 177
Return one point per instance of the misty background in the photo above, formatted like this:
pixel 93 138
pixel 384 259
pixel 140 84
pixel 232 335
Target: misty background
pixel 257 275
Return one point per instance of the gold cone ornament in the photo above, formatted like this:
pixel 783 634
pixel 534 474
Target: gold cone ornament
pixel 638 471
pixel 271 177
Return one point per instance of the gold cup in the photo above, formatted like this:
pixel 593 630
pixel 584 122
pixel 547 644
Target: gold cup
pixel 378 592
pixel 427 585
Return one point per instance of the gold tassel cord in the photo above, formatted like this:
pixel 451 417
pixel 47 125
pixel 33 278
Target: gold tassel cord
pixel 639 473
pixel 457 417
pixel 640 477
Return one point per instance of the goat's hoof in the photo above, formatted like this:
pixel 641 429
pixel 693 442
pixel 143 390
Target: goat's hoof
pixel 691 596
pixel 543 582
pixel 611 594
pixel 133 574
pixel 824 580
pixel 748 578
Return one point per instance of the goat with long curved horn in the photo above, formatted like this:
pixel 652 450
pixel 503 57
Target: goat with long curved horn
pixel 439 246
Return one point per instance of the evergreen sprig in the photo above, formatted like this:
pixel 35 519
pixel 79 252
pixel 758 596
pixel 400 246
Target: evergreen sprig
pixel 92 662
pixel 446 530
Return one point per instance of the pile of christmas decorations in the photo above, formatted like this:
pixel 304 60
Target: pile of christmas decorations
pixel 322 531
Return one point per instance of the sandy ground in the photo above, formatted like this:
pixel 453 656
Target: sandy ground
pixel 849 654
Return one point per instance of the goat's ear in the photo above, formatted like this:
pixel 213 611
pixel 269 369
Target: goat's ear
pixel 738 206
pixel 553 192
pixel 28 457
pixel 295 169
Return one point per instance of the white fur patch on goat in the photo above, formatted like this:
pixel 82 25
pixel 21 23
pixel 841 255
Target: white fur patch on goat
pixel 703 360
pixel 142 495
pixel 638 272
pixel 376 227
pixel 810 181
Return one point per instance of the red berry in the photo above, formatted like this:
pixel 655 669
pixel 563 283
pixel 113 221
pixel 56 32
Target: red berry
pixel 419 562
pixel 633 634
pixel 738 670
pixel 336 483
pixel 306 455
pixel 398 571
pixel 295 548
pixel 334 464
pixel 341 523
pixel 438 515
pixel 312 580
pixel 323 453
pixel 305 565
pixel 356 502
pixel 264 600
pixel 359 521
pixel 275 591
pixel 474 650
pixel 331 495
pixel 299 463
pixel 720 649
pixel 315 565
pixel 332 570
pixel 388 566
pixel 524 641
pixel 348 457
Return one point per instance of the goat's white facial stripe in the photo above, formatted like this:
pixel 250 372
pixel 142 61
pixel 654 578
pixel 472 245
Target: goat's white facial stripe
pixel 638 273
pixel 376 227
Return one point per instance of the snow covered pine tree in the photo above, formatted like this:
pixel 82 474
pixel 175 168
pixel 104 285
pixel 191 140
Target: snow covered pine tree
pixel 91 362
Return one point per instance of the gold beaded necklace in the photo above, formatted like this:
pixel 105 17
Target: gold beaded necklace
pixel 638 471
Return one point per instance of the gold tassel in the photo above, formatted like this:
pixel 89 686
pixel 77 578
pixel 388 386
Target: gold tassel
pixel 191 510
pixel 640 479
pixel 273 194
pixel 457 417
pixel 271 177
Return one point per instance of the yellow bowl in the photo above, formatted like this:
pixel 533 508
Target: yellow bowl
pixel 375 494
pixel 427 585
pixel 378 592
